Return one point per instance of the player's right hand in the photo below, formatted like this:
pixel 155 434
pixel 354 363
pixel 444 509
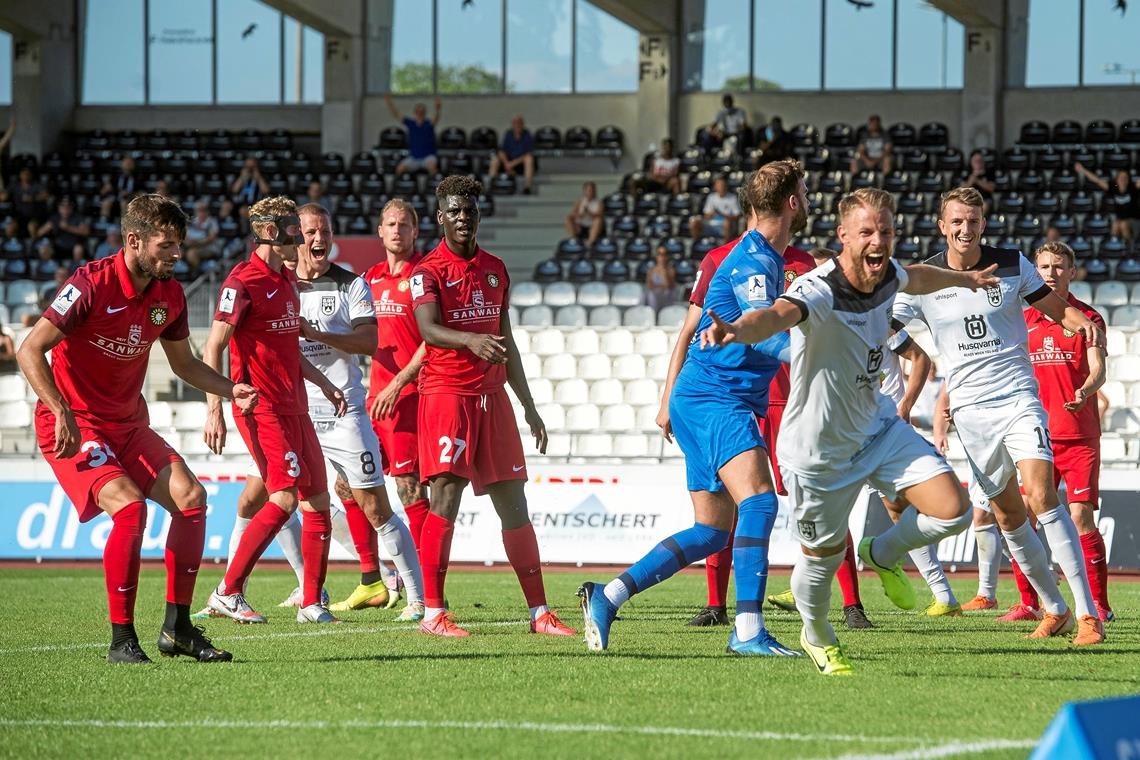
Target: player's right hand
pixel 214 433
pixel 664 422
pixel 489 348
pixel 537 428
pixel 384 405
pixel 719 333
pixel 66 435
pixel 941 443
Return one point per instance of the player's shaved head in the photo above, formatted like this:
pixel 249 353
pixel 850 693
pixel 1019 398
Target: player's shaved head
pixel 151 214
pixel 866 197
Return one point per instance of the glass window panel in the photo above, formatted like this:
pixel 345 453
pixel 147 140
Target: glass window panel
pixel 786 61
pixel 930 45
pixel 858 40
pixel 716 45
pixel 538 45
pixel 606 55
pixel 1051 59
pixel 1112 56
pixel 113 52
pixel 411 46
pixel 181 59
pixel 292 63
pixel 470 47
pixel 5 70
pixel 249 52
pixel 314 66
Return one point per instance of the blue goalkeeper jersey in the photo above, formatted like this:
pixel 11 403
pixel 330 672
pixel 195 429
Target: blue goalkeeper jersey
pixel 750 278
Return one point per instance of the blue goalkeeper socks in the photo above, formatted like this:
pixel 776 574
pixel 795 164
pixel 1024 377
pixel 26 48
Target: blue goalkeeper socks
pixel 679 550
pixel 757 515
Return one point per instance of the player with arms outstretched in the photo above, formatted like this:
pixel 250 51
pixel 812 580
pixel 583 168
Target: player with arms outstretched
pixel 467 429
pixel 93 427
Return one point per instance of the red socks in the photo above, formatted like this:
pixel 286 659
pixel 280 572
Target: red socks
pixel 1028 594
pixel 522 552
pixel 1096 565
pixel 417 513
pixel 184 543
pixel 316 536
pixel 363 537
pixel 258 535
pixel 121 561
pixel 718 567
pixel 848 575
pixel 434 551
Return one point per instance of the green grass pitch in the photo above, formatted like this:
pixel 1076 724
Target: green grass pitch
pixel 372 687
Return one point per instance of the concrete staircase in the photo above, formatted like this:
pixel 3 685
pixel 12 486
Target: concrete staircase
pixel 526 228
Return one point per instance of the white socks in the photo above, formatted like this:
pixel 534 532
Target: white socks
pixel 811 586
pixel 1065 544
pixel 925 558
pixel 397 541
pixel 536 612
pixel 1029 552
pixel 912 531
pixel 289 539
pixel 340 532
pixel 240 524
pixel 616 592
pixel 989 559
pixel 748 625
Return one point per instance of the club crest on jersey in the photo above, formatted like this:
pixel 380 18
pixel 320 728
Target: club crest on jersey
pixel 477 298
pixel 402 287
pixel 328 305
pixel 158 315
pixel 1067 332
pixel 492 280
pixel 975 326
pixel 134 335
pixel 789 275
pixel 993 295
pixel 1048 343
pixel 806 528
pixel 290 310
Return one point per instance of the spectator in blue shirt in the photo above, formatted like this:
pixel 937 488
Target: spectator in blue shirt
pixel 421 137
pixel 516 149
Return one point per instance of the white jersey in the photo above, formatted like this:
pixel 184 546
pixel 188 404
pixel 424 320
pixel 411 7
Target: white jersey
pixel 836 408
pixel 336 302
pixel 982 333
pixel 892 383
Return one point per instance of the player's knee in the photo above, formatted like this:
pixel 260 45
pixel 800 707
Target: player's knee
pixel 1040 497
pixel 1083 517
pixel 192 496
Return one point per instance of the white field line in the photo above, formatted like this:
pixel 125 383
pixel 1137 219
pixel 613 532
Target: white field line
pixel 527 726
pixel 952 749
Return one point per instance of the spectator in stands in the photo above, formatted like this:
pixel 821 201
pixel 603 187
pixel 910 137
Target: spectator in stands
pixel 7 350
pixel 729 128
pixel 664 172
pixel 585 218
pixel 1052 234
pixel 44 265
pixel 162 187
pixel 111 244
pixel 315 194
pixel 874 151
pixel 1124 192
pixel 421 137
pixel 720 214
pixel 68 231
pixel 661 281
pixel 516 150
pixel 29 200
pixel 13 246
pixel 125 181
pixel 203 242
pixel 775 142
pixel 249 185
pixel 979 178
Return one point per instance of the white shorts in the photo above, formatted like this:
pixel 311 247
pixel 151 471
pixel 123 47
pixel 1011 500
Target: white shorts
pixel 416 164
pixel 998 435
pixel 351 446
pixel 899 459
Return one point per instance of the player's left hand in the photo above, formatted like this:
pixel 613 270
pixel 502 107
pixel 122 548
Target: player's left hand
pixel 983 278
pixel 537 428
pixel 904 412
pixel 245 397
pixel 719 333
pixel 1078 402
pixel 384 405
pixel 336 398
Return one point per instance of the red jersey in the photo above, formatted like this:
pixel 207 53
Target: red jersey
pixel 399 336
pixel 472 296
pixel 1061 364
pixel 265 310
pixel 706 270
pixel 109 329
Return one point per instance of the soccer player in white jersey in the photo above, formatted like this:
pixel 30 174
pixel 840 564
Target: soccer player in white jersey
pixel 846 432
pixel 998 415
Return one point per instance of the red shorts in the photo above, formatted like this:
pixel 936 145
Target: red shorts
pixel 107 451
pixel 472 437
pixel 1078 464
pixel 770 430
pixel 399 442
pixel 286 451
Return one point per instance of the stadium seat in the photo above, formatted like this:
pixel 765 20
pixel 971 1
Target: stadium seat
pixel 541 390
pixel 1111 293
pixel 546 272
pixel 524 294
pixel 672 316
pixel 1116 341
pixel 559 367
pixel 1123 421
pixel 1125 316
pixel 615 272
pixel 595 367
pixel 606 392
pixel 1125 368
pixel 618 418
pixel 1113 448
pixel 1081 290
pixel 617 342
pixel 631 445
pixel 532 365
pixel 604 316
pixel 1135 298
pixel 1116 393
pixel 1128 270
pixel 553 416
pixel 161 414
pixel 572 391
pixel 657 367
pixel 582 342
pixel 537 316
pixel 583 418
pixel 22 292
pixel 640 316
pixel 521 336
pixel 627 294
pixel 548 342
pixel 641 391
pixel 513 316
pixel 559 294
pixel 629 367
pixel 581 271
pixel 592 446
pixel 647 418
pixel 15 414
pixel 652 342
pixel 570 316
pixel 593 294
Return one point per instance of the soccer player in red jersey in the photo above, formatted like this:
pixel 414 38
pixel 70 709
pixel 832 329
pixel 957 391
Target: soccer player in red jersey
pixel 467 429
pixel 93 427
pixel 259 316
pixel 393 402
pixel 1069 372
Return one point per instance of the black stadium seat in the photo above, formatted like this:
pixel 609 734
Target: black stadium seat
pixel 393 138
pixel 569 249
pixel 453 138
pixel 483 138
pixel 934 134
pixel 577 138
pixel 547 138
pixel 637 248
pixel 610 137
pixel 1034 133
pixel 1100 132
pixel 615 271
pixel 903 135
pixel 1130 132
pixel 547 271
pixel 1067 132
pixel 839 136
